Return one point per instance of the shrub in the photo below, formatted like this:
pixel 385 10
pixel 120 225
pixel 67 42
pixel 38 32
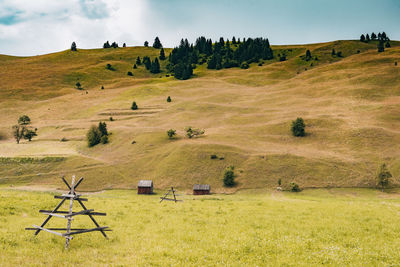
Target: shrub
pixel 130 73
pixel 111 119
pixel 109 67
pixel 63 139
pixel 78 86
pixel 213 156
pixel 134 66
pixel 244 65
pixel 395 63
pixel 279 182
pixel 229 177
pixel 169 99
pixel 294 187
pixel 298 127
pixel 193 132
pixel 339 54
pixel 383 177
pixel 102 87
pixel 93 136
pixel 171 133
pixel 134 106
pixel 104 139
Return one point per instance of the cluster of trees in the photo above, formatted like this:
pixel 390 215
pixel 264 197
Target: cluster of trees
pixel 182 59
pixel 23 130
pixel 380 37
pixel 97 134
pixel 190 132
pixel 113 45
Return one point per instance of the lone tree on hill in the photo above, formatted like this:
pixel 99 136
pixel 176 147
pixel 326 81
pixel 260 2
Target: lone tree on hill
pixel 134 106
pixel 157 44
pixel 22 130
pixel 229 176
pixel 162 54
pixel 73 46
pixel 383 177
pixel 146 44
pixel 298 127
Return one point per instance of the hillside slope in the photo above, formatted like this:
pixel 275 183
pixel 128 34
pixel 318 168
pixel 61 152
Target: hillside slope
pixel 350 105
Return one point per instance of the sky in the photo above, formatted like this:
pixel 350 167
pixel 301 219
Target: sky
pixel 33 27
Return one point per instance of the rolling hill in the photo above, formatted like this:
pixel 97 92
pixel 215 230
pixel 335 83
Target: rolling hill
pixel 350 105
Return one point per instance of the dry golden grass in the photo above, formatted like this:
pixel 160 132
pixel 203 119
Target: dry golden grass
pixel 350 106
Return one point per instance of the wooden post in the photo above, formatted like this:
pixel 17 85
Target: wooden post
pixel 71 202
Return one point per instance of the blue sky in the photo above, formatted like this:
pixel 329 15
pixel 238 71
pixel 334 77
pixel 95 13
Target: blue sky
pixel 30 27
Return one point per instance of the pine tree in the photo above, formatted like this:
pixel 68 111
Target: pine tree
pixel 138 62
pixel 233 40
pixel 221 41
pixel 162 54
pixel 147 62
pixel 367 38
pixel 134 66
pixel 387 44
pixel 134 106
pixel 155 66
pixel 373 36
pixel 157 44
pixel 124 45
pixel 333 52
pixel 73 46
pixel 169 99
pixel 381 47
pixel 298 127
pixel 103 128
pixel 106 45
pixel 308 55
pixel 362 38
pixel 146 44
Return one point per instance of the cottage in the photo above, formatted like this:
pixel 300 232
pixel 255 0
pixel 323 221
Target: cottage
pixel 201 189
pixel 145 187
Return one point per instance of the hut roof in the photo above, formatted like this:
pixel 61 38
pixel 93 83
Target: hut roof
pixel 145 183
pixel 201 187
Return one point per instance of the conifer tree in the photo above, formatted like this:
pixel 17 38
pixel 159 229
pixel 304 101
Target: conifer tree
pixel 138 62
pixel 362 38
pixel 106 45
pixel 381 47
pixel 308 55
pixel 333 52
pixel 157 44
pixel 233 40
pixel 367 38
pixel 124 45
pixel 373 36
pixel 73 46
pixel 162 54
pixel 387 44
pixel 134 106
pixel 155 66
pixel 146 44
pixel 383 177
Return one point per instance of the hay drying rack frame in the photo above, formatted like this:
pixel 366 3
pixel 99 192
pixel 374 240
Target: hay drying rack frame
pixel 71 196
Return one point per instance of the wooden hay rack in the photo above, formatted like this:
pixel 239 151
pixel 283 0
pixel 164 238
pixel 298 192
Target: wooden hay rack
pixel 69 215
pixel 171 192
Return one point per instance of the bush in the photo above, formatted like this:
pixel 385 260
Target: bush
pixel 93 136
pixel 229 177
pixel 134 66
pixel 78 86
pixel 171 133
pixel 244 65
pixel 193 132
pixel 213 156
pixel 130 73
pixel 104 139
pixel 298 127
pixel 294 187
pixel 395 63
pixel 134 106
pixel 109 67
pixel 102 87
pixel 169 99
pixel 63 139
pixel 111 119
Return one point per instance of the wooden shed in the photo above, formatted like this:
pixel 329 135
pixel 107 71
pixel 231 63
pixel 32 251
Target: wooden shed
pixel 145 187
pixel 201 189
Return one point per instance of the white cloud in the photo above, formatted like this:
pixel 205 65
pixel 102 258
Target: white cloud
pixel 44 26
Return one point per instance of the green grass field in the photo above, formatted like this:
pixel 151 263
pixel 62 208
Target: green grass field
pixel 333 227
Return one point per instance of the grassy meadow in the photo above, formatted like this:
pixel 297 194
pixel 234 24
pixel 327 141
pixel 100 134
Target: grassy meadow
pixel 334 227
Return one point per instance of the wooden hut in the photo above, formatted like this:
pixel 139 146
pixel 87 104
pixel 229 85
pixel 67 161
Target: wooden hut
pixel 145 187
pixel 201 189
